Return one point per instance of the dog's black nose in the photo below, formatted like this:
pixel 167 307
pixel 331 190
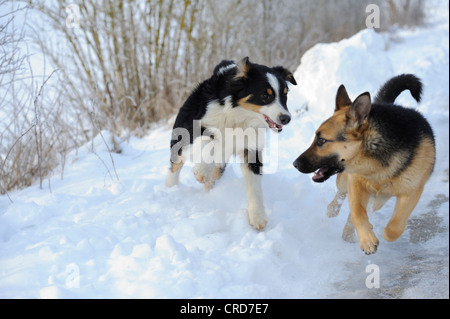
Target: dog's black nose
pixel 297 164
pixel 285 119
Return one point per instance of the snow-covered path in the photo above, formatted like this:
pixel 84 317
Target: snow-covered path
pixel 93 236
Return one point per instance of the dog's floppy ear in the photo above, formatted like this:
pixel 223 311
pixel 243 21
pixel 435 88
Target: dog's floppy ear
pixel 243 66
pixel 240 80
pixel 342 99
pixel 359 111
pixel 286 74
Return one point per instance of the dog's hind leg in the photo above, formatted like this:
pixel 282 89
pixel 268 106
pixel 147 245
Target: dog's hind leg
pixel 335 205
pixel 212 163
pixel 174 172
pixel 216 174
pixel 208 174
pixel 252 179
pixel 403 208
pixel 348 234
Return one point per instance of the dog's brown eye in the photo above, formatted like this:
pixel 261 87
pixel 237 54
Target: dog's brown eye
pixel 320 141
pixel 267 98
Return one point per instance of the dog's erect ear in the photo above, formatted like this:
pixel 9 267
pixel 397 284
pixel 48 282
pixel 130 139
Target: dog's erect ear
pixel 243 66
pixel 286 74
pixel 359 111
pixel 342 99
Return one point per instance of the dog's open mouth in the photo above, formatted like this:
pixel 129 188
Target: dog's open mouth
pixel 273 126
pixel 324 173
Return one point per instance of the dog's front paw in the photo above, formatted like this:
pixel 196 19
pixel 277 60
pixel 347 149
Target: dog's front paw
pixel 368 242
pixel 257 219
pixel 392 233
pixel 171 179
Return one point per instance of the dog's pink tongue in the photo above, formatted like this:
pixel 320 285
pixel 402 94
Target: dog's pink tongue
pixel 274 126
pixel 319 174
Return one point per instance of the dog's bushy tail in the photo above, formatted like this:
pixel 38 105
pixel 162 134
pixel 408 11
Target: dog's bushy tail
pixel 392 88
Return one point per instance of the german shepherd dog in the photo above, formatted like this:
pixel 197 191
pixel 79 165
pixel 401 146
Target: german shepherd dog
pixel 232 110
pixel 378 150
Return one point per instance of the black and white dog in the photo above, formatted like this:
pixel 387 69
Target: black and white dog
pixel 227 115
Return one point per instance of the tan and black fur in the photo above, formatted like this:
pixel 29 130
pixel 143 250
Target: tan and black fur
pixel 378 150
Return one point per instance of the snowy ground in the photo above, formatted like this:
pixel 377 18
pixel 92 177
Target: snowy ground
pixel 93 236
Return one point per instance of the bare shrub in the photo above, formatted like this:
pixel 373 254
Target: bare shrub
pixel 35 127
pixel 406 12
pixel 141 59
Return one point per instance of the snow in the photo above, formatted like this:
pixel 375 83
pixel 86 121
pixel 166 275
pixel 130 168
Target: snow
pixel 91 235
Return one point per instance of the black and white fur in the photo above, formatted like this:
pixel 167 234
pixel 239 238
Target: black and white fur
pixel 237 96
